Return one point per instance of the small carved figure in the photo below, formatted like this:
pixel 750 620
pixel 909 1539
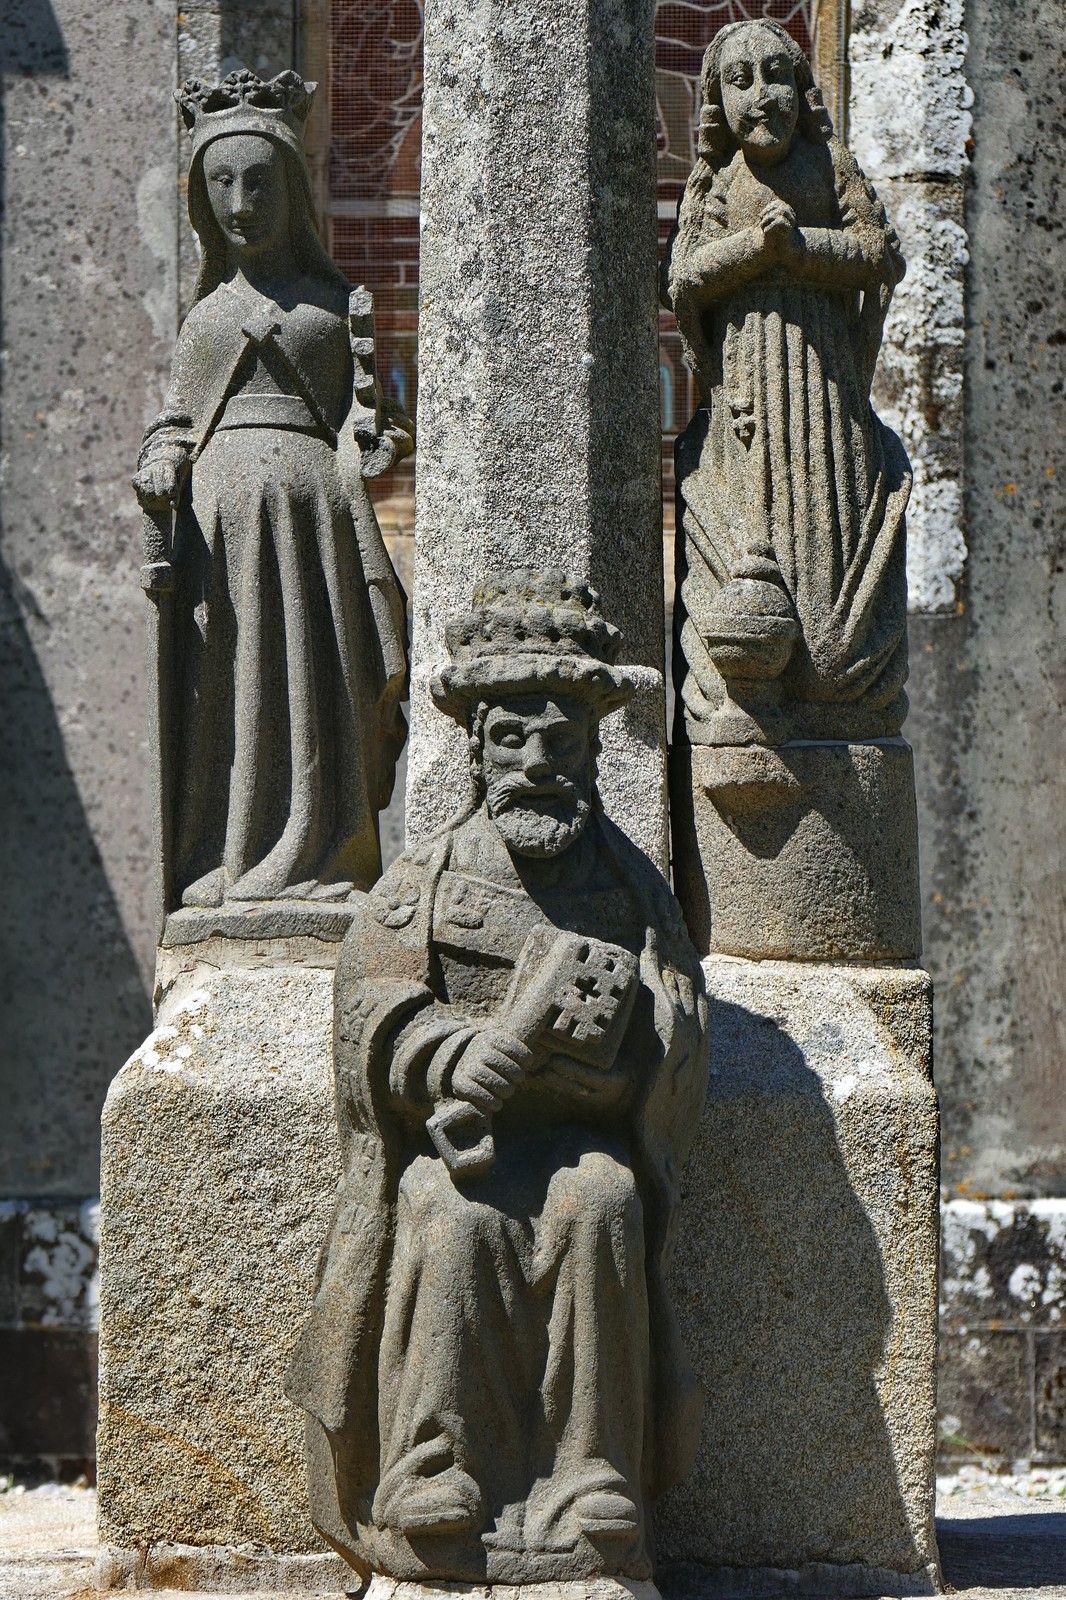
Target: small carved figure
pixel 791 492
pixel 492 1368
pixel 282 644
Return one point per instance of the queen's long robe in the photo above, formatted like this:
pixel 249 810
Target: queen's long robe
pixel 289 646
pixel 514 1332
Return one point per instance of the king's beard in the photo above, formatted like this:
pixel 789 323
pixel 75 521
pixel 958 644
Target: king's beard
pixel 537 821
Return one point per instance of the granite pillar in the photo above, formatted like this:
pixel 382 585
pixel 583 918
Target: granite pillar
pixel 538 348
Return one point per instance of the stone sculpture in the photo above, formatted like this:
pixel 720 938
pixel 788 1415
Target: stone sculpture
pixel 281 636
pixel 492 1371
pixel 791 619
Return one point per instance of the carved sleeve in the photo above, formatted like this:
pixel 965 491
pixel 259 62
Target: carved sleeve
pixel 863 253
pixel 424 1056
pixel 716 268
pixel 709 262
pixel 172 435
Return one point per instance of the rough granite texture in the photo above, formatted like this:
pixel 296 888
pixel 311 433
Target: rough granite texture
pixel 538 349
pixel 805 853
pixel 910 127
pixel 807 1281
pixel 987 684
pixel 219 1167
pixel 88 295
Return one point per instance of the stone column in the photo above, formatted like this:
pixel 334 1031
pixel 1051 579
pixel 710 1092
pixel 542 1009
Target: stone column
pixel 539 431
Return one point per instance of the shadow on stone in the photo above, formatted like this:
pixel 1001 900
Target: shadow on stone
pixel 1012 1552
pixel 785 1308
pixel 72 996
pixel 67 1020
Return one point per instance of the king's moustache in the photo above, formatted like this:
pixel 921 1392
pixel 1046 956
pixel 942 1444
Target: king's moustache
pixel 514 795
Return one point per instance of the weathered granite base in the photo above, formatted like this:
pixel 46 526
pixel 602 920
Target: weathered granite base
pixel 808 852
pixel 219 1167
pixel 222 1569
pixel 587 1589
pixel 806 1281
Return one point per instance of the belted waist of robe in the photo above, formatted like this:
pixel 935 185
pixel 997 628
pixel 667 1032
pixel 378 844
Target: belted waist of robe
pixel 252 409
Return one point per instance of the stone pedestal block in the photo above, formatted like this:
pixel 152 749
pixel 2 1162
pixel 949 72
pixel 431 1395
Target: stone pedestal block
pixel 219 1168
pixel 806 852
pixel 382 1588
pixel 806 1280
pixel 538 404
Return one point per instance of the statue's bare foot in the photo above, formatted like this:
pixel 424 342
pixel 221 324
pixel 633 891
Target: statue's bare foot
pixel 599 1508
pixel 606 1515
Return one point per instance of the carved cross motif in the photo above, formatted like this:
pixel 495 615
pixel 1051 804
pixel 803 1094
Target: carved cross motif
pixel 589 1006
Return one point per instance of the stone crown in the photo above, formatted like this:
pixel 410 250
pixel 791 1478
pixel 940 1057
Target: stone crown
pixel 245 103
pixel 530 631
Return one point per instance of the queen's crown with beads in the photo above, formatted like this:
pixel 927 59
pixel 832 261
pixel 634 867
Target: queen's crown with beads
pixel 245 103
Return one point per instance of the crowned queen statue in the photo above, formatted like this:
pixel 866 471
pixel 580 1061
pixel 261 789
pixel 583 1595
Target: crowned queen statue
pixel 281 638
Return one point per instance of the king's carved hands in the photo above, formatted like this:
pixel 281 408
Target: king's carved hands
pixel 490 1070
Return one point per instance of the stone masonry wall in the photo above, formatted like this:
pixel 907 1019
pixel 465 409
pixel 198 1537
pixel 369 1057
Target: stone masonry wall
pixel 48 1317
pixel 988 677
pixel 86 320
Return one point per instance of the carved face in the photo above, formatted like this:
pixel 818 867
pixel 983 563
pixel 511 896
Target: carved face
pixel 760 97
pixel 245 177
pixel 538 770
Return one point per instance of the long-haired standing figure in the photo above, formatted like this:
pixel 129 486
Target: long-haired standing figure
pixel 791 492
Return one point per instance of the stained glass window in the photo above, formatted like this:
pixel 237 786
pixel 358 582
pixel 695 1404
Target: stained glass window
pixel 374 150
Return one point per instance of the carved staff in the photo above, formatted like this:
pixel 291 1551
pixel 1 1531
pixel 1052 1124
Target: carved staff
pixel 157 581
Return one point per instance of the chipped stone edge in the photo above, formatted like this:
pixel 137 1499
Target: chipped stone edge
pixel 219 1569
pixel 817 1579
